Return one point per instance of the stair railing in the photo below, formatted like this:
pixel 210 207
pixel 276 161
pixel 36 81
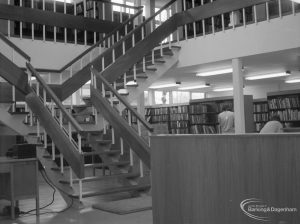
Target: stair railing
pixel 90 10
pixel 107 87
pixel 60 114
pixel 14 51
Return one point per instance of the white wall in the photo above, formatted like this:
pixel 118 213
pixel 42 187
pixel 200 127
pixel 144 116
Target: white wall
pixel 275 35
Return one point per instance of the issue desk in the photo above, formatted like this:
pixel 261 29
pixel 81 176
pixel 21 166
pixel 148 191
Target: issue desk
pixel 19 180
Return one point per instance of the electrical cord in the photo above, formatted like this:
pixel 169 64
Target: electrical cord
pixel 52 185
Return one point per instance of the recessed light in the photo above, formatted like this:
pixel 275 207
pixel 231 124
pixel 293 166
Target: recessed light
pixel 215 72
pixel 292 80
pixel 223 89
pixel 194 87
pixel 267 76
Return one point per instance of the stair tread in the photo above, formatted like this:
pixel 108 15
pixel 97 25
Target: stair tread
pixel 100 141
pixel 95 178
pixel 112 191
pixel 18 113
pixel 96 165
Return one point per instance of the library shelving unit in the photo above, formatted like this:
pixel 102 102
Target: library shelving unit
pixel 158 115
pixel 260 113
pixel 203 114
pixel 179 119
pixel 286 104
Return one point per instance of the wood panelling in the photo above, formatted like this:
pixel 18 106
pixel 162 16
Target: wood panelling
pixel 121 127
pixel 57 135
pixel 49 18
pixel 204 178
pixel 14 75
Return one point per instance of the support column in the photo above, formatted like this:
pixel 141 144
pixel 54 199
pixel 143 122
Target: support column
pixel 151 97
pixel 238 96
pixel 139 18
pixel 149 11
pixel 141 105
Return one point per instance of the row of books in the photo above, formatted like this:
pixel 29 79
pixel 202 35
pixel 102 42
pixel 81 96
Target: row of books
pixel 160 118
pixel 261 117
pixel 179 117
pixel 179 109
pixel 156 111
pixel 287 102
pixel 222 104
pixel 203 129
pixel 199 119
pixel 259 126
pixel 179 124
pixel 288 115
pixel 198 108
pixel 261 107
pixel 179 131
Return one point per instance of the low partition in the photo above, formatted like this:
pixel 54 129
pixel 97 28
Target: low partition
pixel 226 179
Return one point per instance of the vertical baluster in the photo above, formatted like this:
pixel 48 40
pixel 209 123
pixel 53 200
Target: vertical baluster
pixel 44 27
pixel 255 14
pixel 8 22
pixel 75 30
pixel 151 28
pixel 84 14
pixel 71 177
pixel 53 150
pixel 244 17
pixel 223 23
pixel 45 104
pixel 94 14
pixel 140 134
pixel 213 22
pixel 279 8
pixel 125 80
pixel 130 150
pixel 194 23
pixel 54 10
pixel 177 30
pixel 161 48
pixel 53 115
pixel 185 26
pixel 103 17
pixel 233 20
pixel 65 29
pixel 79 142
pixel 61 155
pixel 203 21
pixel 121 14
pixel 32 24
pixel 293 8
pixel 80 190
pixel 144 58
pixel 170 36
pixel 21 23
pixel 14 98
pixel 267 11
pixel 103 95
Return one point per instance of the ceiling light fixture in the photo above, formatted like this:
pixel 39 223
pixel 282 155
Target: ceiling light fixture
pixel 165 85
pixel 297 1
pixel 215 72
pixel 194 87
pixel 131 83
pixel 223 89
pixel 267 76
pixel 292 80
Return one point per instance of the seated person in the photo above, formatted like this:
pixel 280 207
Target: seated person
pixel 273 126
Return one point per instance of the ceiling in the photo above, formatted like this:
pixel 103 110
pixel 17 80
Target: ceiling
pixel 253 65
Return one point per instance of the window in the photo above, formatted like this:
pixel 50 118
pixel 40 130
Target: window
pixel 197 96
pixel 123 9
pixel 161 97
pixel 180 96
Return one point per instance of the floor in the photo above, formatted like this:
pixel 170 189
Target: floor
pixel 86 214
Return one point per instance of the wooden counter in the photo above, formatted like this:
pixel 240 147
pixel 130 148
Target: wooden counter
pixel 202 179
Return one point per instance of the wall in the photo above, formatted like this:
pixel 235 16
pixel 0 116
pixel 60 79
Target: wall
pixel 265 37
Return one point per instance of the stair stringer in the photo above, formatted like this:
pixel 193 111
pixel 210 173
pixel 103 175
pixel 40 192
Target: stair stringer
pixel 60 139
pixel 162 69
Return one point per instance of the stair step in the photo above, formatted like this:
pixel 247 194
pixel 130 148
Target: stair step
pixel 151 69
pixel 100 165
pixel 100 142
pixel 112 191
pixel 176 47
pixel 19 113
pixel 110 152
pixel 97 178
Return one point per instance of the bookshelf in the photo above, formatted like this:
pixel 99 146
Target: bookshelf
pixel 260 113
pixel 158 115
pixel 179 119
pixel 204 114
pixel 286 104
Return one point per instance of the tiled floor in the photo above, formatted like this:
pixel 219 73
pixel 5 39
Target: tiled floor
pixel 85 215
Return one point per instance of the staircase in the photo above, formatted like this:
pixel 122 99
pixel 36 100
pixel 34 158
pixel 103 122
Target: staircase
pixel 117 147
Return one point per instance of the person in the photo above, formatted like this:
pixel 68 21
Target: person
pixel 273 126
pixel 226 120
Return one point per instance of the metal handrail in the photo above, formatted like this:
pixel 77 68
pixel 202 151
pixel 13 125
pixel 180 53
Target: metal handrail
pixel 15 47
pixel 124 101
pixel 55 98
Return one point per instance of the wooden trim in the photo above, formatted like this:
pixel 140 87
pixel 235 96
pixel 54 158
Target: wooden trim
pixel 55 99
pixel 126 104
pixel 121 127
pixel 10 12
pixel 74 158
pixel 15 47
pixel 14 75
pixel 121 5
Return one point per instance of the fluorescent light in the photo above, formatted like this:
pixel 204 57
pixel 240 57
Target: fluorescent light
pixel 298 1
pixel 88 82
pixel 292 80
pixel 193 87
pixel 67 1
pixel 32 78
pixel 267 76
pixel 164 86
pixel 215 72
pixel 223 89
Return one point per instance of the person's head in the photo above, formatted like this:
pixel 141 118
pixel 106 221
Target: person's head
pixel 225 107
pixel 275 117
